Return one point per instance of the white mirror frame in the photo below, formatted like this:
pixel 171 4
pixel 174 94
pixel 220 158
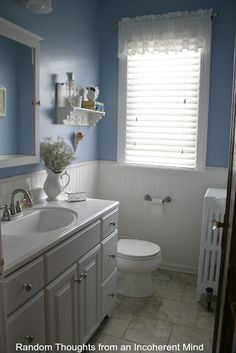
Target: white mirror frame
pixel 2 101
pixel 12 31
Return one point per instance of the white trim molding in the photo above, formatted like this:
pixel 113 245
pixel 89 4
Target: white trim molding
pixel 204 46
pixel 20 35
pixel 122 94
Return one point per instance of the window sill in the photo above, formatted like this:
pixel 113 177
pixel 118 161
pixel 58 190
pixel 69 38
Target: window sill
pixel 161 168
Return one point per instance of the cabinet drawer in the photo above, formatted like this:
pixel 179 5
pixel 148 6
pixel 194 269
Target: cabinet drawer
pixel 109 254
pixel 109 223
pixel 27 324
pixel 23 284
pixel 67 253
pixel 108 294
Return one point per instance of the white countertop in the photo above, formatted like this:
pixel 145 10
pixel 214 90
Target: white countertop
pixel 18 250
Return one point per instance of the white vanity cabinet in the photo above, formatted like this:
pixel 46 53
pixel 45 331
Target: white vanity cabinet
pixel 108 294
pixel 23 284
pixel 27 324
pixel 61 299
pixel 109 256
pixel 109 223
pixel 108 282
pixel 89 274
pixel 26 317
pixel 63 295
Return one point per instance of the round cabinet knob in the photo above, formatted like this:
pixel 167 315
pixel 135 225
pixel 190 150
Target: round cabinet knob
pixel 112 256
pixel 113 224
pixel 29 338
pixel 83 275
pixel 78 280
pixel 27 287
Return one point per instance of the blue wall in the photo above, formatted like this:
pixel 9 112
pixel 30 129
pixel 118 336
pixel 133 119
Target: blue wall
pixel 16 74
pixel 224 26
pixel 70 44
pixel 25 97
pixel 9 79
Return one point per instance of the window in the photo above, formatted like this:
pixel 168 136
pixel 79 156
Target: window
pixel 163 105
pixel 162 108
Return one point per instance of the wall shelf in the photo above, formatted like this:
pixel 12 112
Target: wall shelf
pixel 78 116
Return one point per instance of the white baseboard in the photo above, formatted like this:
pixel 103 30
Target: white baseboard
pixel 178 268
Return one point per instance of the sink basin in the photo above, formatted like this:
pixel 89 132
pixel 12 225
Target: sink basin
pixel 40 220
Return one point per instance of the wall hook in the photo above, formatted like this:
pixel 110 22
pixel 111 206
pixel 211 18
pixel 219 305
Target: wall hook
pixel 36 103
pixel 78 136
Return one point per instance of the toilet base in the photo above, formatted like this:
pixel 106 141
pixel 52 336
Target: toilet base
pixel 137 284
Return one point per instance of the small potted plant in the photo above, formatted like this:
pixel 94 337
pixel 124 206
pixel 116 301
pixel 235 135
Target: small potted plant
pixel 57 156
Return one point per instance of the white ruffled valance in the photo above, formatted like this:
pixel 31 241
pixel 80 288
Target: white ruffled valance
pixel 169 32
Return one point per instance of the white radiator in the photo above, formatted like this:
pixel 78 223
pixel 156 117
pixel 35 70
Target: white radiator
pixel 210 249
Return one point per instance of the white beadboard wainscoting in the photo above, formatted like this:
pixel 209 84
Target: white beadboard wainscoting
pixel 84 177
pixel 176 226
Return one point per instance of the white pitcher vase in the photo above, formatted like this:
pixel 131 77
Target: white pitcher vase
pixel 52 185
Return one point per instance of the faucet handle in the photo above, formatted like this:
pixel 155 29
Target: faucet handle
pixel 27 200
pixel 26 203
pixel 12 209
pixel 18 207
pixel 6 216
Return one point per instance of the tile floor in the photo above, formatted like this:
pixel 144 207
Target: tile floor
pixel 170 316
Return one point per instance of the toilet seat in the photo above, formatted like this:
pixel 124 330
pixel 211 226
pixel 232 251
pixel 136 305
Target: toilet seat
pixel 137 249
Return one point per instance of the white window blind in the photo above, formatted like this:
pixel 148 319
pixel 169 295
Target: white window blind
pixel 162 108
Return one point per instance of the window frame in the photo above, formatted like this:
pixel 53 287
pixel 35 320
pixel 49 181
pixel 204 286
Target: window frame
pixel 204 95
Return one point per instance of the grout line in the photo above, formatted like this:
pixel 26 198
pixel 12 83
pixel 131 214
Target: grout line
pixel 172 327
pixel 183 292
pixel 133 315
pixel 179 301
pixel 125 339
pixel 158 310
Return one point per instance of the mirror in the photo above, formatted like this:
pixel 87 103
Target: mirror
pixel 19 95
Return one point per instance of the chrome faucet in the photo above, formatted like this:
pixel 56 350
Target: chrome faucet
pixel 17 208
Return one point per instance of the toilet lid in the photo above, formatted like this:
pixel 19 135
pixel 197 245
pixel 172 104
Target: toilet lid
pixel 137 248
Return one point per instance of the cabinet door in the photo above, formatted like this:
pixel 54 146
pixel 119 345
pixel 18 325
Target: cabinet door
pixel 27 324
pixel 62 308
pixel 89 294
pixel 108 294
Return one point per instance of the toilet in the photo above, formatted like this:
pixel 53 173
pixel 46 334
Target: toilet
pixel 136 259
